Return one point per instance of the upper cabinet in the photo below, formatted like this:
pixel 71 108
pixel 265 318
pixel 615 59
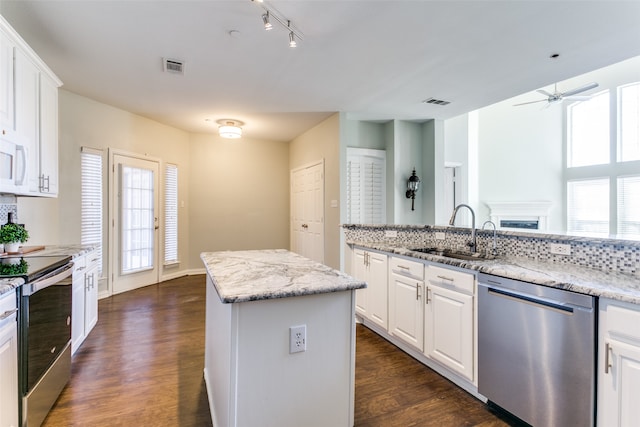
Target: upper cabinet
pixel 29 105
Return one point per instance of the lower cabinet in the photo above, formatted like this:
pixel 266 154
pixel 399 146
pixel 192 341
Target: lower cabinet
pixel 8 360
pixel 449 319
pixel 372 301
pixel 618 364
pixel 406 306
pixel 84 315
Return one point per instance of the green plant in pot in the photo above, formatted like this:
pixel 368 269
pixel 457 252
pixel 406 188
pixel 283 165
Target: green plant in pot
pixel 12 235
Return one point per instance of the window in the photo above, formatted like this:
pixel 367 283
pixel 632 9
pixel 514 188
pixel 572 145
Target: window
pixel 366 194
pixel 588 206
pixel 603 163
pixel 137 223
pixel 588 129
pixel 629 206
pixel 91 195
pixel 629 127
pixel 170 214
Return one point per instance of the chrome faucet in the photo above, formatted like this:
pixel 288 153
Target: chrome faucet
pixel 471 243
pixel 494 250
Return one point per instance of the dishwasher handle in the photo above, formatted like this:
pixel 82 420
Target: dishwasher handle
pixel 529 299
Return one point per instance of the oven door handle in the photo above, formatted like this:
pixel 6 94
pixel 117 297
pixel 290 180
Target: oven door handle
pixel 54 278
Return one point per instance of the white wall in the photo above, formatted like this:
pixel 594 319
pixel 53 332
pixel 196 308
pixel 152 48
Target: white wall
pixel 85 122
pixel 323 142
pixel 239 193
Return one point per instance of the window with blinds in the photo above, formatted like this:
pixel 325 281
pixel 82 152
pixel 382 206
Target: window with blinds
pixel 588 206
pixel 170 214
pixel 629 206
pixel 91 195
pixel 366 195
pixel 603 157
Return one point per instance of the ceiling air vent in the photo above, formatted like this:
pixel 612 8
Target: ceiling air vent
pixel 436 101
pixel 173 66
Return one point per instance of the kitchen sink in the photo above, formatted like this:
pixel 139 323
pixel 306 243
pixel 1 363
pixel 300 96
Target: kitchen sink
pixel 450 253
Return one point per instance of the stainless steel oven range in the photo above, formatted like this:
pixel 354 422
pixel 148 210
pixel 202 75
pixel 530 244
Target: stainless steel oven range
pixel 44 332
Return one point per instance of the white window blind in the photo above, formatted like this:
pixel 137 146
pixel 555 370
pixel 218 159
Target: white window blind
pixel 171 214
pixel 629 206
pixel 91 195
pixel 366 195
pixel 588 206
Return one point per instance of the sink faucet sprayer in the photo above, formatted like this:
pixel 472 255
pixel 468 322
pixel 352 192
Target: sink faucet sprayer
pixel 471 243
pixel 494 250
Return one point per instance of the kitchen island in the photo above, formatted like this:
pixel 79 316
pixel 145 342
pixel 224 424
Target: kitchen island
pixel 254 299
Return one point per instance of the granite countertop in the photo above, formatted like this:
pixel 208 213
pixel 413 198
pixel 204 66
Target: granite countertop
pixel 606 284
pixel 76 250
pixel 241 276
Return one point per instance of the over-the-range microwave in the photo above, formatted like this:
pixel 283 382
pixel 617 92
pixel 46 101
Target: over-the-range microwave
pixel 13 163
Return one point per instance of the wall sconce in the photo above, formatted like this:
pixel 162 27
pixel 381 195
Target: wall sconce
pixel 412 186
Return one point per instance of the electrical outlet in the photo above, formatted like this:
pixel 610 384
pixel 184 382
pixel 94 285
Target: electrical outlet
pixel 391 233
pixel 560 249
pixel 297 339
pixel 440 235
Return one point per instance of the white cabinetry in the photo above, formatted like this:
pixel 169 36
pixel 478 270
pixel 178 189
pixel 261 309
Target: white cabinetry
pixel 371 302
pixel 449 319
pixel 29 105
pixel 6 82
pixel 8 360
pixel 406 308
pixel 85 298
pixel 618 364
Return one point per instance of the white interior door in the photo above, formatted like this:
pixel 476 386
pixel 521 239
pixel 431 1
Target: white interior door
pixel 135 208
pixel 307 211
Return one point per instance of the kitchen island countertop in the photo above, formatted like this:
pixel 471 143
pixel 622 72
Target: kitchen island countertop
pixel 253 275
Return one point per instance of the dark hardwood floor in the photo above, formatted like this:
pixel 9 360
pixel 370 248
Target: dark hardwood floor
pixel 142 366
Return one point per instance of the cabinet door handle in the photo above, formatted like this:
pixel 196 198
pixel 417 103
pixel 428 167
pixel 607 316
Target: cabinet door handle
pixel 450 279
pixel 417 291
pixel 607 359
pixel 404 267
pixel 427 299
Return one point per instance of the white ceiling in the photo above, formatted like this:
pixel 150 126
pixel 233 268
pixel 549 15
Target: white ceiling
pixel 375 60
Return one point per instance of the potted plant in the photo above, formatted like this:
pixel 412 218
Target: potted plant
pixel 12 235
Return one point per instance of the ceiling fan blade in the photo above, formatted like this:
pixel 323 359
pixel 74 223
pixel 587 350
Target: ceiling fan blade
pixel 544 92
pixel 530 102
pixel 579 89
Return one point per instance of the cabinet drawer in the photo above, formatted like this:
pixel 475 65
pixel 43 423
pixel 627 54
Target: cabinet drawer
pixel 79 264
pixel 92 259
pixel 623 320
pixel 452 279
pixel 8 307
pixel 408 268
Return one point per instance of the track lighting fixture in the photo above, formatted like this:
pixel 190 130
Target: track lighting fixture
pixel 265 20
pixel 271 13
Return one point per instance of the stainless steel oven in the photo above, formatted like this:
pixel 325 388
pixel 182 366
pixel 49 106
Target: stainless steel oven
pixel 44 334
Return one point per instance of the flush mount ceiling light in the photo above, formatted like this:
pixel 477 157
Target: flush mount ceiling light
pixel 272 13
pixel 230 128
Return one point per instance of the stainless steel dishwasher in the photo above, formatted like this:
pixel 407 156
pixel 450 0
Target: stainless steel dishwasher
pixel 536 351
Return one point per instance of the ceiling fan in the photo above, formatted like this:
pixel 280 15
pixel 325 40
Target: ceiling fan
pixel 570 95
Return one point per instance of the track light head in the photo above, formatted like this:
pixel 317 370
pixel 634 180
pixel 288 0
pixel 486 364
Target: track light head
pixel 292 40
pixel 265 20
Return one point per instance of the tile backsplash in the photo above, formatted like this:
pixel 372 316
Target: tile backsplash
pixel 601 254
pixel 8 204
